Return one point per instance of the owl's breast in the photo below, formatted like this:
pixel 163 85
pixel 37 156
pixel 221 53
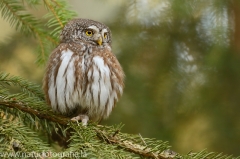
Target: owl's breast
pixel 98 94
pixel 87 79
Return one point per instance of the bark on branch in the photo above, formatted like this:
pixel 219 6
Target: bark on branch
pixel 101 134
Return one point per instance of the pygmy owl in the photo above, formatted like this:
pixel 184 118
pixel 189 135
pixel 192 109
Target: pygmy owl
pixel 83 77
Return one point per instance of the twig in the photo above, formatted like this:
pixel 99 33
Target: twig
pixel 130 146
pixel 54 13
pixel 110 139
pixel 31 27
pixel 40 114
pixel 115 133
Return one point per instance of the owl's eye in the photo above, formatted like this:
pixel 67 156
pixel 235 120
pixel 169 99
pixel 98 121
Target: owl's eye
pixel 89 33
pixel 105 35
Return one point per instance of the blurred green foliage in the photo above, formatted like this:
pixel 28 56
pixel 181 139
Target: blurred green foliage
pixel 182 70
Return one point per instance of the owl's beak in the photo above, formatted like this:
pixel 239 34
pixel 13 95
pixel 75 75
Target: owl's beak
pixel 99 41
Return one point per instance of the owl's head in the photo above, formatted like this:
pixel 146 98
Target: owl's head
pixel 86 30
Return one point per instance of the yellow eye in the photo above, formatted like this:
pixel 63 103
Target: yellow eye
pixel 105 35
pixel 89 33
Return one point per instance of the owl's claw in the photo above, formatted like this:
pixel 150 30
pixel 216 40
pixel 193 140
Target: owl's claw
pixel 83 118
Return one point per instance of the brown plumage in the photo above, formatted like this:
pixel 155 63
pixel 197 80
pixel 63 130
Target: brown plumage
pixel 83 76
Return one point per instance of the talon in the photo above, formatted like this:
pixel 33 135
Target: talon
pixel 83 118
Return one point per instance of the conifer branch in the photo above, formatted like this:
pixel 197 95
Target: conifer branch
pixel 106 135
pixel 133 147
pixel 27 87
pixel 54 12
pixel 13 8
pixel 42 54
pixel 48 115
pixel 120 141
pixel 149 148
pixel 16 137
pixel 58 16
pixel 17 15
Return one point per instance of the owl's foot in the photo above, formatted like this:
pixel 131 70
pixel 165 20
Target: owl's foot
pixel 83 118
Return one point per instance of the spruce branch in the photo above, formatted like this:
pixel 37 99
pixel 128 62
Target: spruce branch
pixel 17 15
pixel 48 4
pixel 32 3
pixel 135 148
pixel 42 50
pixel 107 139
pixel 48 115
pixel 13 11
pixel 16 137
pixel 105 134
pixel 27 87
pixel 58 16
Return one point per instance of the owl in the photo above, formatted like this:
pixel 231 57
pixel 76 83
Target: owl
pixel 83 78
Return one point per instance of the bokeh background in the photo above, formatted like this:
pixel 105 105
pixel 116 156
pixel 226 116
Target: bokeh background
pixel 182 65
